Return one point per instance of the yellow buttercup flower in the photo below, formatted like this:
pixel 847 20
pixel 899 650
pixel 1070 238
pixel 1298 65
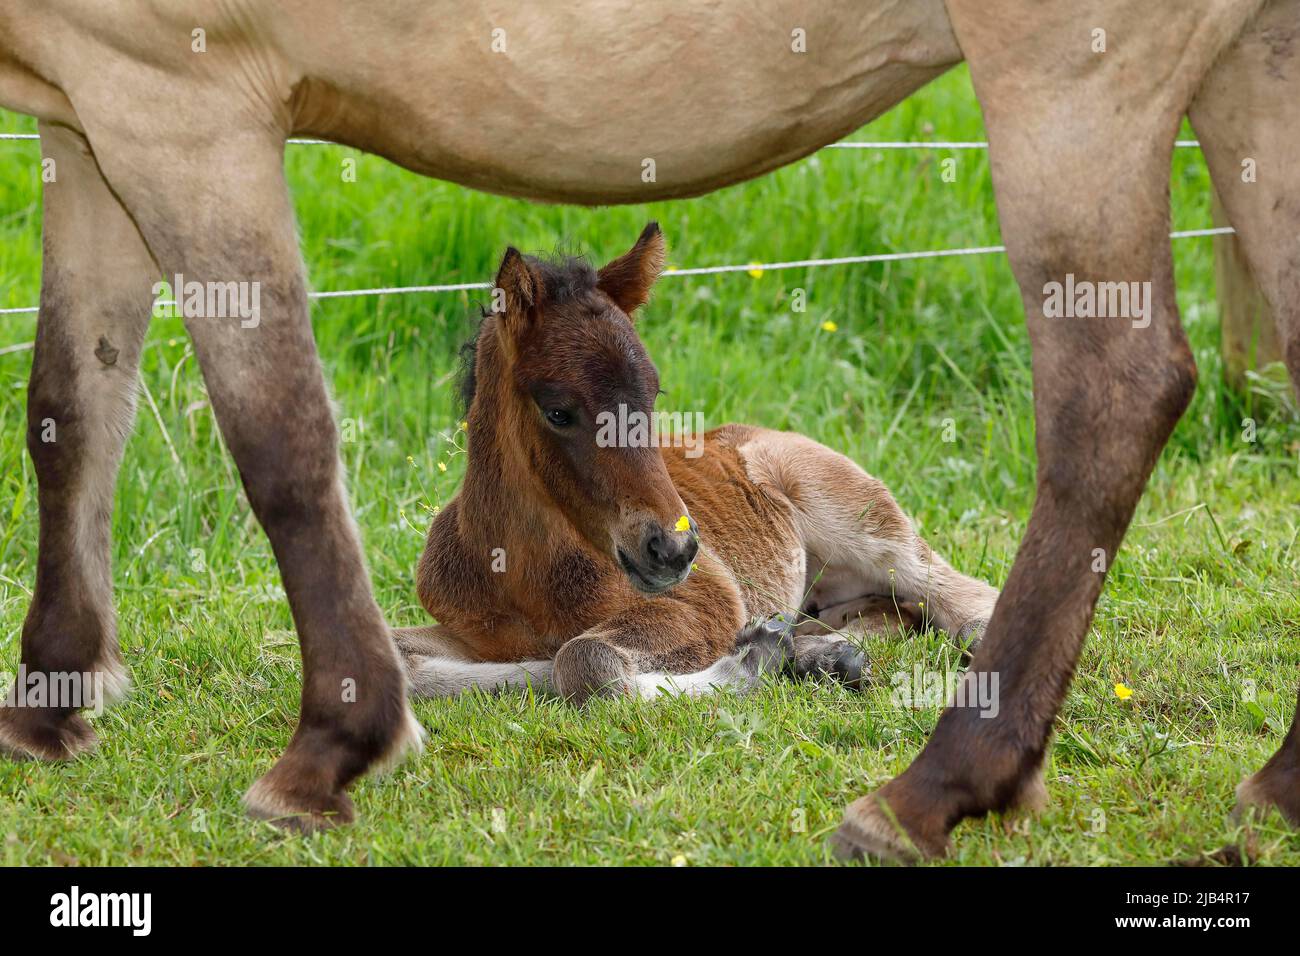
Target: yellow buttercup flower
pixel 1122 692
pixel 829 326
pixel 756 270
pixel 683 524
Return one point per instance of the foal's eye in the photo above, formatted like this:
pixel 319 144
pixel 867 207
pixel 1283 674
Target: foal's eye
pixel 558 417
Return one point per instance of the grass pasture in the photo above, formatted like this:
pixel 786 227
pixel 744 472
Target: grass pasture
pixel 1199 616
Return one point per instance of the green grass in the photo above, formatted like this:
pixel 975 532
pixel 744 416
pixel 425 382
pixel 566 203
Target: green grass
pixel 1200 608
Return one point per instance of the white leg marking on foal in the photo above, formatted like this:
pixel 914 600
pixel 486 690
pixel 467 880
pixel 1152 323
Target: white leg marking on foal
pixel 447 677
pixel 725 674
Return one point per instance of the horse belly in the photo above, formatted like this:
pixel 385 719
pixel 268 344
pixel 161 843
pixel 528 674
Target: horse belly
pixel 601 101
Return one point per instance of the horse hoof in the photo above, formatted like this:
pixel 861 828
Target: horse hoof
pixel 33 734
pixel 868 832
pixel 297 812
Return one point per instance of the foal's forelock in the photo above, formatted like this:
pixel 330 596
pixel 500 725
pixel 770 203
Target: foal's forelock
pixel 569 291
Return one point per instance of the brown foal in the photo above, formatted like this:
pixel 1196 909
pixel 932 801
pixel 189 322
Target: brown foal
pixel 587 563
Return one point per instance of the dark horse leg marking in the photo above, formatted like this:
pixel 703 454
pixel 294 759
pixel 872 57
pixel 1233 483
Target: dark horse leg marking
pixel 1107 391
pixel 79 412
pixel 1247 110
pixel 217 210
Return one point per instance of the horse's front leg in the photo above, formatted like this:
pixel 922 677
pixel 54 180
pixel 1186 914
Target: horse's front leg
pixel 1082 203
pixel 96 279
pixel 211 201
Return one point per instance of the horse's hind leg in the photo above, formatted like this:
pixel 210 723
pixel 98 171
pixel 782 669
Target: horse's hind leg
pixel 1247 117
pixel 860 543
pixel 211 201
pixel 96 280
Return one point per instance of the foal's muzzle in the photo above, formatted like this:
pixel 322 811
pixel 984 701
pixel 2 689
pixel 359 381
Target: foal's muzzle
pixel 663 559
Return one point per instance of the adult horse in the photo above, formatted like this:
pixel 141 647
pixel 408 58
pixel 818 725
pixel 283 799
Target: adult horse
pixel 167 123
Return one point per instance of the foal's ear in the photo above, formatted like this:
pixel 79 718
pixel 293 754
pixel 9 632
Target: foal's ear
pixel 517 286
pixel 627 280
pixel 516 297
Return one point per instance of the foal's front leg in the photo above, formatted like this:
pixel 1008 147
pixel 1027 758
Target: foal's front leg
pixel 96 279
pixel 684 641
pixel 211 201
pixel 439 665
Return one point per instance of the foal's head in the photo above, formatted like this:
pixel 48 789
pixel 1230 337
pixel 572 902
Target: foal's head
pixel 568 357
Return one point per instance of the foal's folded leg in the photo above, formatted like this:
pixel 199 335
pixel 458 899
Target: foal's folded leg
pixel 437 665
pixel 828 645
pixel 682 642
pixel 863 542
pixel 764 648
pixel 447 676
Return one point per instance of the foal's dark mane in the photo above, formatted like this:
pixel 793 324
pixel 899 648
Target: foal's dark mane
pixel 564 278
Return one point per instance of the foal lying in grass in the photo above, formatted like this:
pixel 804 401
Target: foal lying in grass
pixel 584 566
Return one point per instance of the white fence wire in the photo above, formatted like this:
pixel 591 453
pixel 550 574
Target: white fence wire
pixel 699 270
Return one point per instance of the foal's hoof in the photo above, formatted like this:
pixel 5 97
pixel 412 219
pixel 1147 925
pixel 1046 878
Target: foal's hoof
pixel 34 734
pixel 822 656
pixel 298 812
pixel 850 667
pixel 768 645
pixel 970 635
